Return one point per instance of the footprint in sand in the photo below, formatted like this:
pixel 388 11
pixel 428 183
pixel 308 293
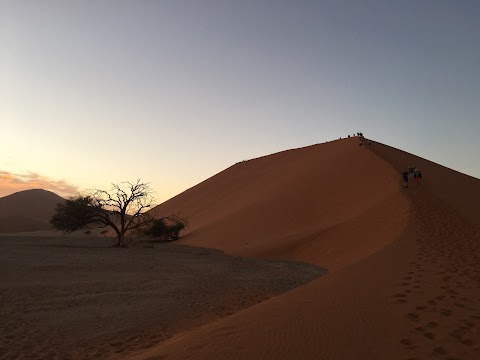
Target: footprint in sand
pixel 401 298
pixel 446 312
pixel 413 316
pixel 429 335
pixel 439 351
pixel 432 324
pixel 468 342
pixel 458 333
pixel 469 323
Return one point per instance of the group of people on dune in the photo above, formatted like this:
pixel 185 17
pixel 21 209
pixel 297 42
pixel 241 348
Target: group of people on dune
pixel 363 141
pixel 411 173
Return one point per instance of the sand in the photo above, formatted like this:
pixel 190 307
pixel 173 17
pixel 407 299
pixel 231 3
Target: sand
pixel 71 297
pixel 311 204
pixel 403 276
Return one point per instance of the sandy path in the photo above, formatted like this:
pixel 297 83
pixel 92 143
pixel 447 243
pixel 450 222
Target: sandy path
pixel 439 293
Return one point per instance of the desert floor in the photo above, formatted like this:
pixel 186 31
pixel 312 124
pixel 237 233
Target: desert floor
pixel 69 297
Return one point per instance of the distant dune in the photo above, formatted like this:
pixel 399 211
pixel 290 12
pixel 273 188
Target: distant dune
pixel 28 210
pixel 404 265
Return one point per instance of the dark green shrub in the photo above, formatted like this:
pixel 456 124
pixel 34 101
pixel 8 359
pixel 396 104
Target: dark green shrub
pixel 167 228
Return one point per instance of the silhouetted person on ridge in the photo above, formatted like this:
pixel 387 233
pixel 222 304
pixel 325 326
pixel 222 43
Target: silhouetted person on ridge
pixel 417 175
pixel 405 178
pixel 411 170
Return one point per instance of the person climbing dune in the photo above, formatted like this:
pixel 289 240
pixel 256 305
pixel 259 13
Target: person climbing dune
pixel 417 175
pixel 411 170
pixel 405 178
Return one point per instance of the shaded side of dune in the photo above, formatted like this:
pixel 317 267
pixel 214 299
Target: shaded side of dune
pixel 28 210
pixel 16 224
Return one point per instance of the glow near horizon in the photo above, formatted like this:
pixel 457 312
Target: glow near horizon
pixel 173 92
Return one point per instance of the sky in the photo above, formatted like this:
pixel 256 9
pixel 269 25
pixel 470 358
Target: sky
pixel 172 92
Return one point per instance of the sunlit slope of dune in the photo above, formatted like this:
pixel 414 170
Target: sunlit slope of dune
pixel 313 203
pixel 336 204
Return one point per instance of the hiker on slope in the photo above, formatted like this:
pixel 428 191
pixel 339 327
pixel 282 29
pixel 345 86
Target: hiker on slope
pixel 417 175
pixel 405 178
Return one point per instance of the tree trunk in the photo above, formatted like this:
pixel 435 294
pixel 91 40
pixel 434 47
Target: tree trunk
pixel 121 240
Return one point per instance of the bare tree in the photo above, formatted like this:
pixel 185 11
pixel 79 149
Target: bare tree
pixel 122 210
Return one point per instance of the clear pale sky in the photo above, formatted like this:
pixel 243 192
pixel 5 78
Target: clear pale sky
pixel 172 92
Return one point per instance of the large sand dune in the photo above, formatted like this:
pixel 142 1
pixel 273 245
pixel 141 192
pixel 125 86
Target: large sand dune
pixel 404 264
pixel 28 210
pixel 312 204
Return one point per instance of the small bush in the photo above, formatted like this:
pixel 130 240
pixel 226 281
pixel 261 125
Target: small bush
pixel 167 228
